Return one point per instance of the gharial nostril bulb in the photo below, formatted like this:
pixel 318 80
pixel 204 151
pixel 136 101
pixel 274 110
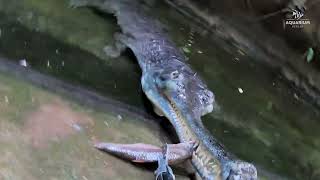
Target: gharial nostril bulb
pixel 207 109
pixel 210 96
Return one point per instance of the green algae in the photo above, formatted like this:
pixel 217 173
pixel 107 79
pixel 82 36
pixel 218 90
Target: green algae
pixel 121 80
pixel 73 155
pixel 84 28
pixel 268 124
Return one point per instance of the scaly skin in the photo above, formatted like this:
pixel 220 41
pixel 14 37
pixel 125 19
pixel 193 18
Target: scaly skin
pixel 209 158
pixel 173 87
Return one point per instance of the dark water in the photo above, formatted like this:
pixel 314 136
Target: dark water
pixel 263 119
pixel 119 79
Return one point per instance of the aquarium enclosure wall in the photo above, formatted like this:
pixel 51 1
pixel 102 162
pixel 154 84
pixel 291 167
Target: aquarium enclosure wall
pixel 159 89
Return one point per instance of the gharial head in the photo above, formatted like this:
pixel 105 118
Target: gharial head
pixel 185 89
pixel 239 170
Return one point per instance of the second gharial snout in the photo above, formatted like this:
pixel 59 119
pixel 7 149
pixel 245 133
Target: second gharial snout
pixel 239 170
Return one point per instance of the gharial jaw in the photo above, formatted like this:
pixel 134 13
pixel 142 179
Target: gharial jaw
pixel 183 99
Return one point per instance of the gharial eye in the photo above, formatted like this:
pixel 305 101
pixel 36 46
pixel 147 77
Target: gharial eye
pixel 174 74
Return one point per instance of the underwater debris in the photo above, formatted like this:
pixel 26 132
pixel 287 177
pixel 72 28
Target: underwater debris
pixel 76 127
pixel 241 52
pixel 310 55
pixel 6 99
pixel 240 90
pixel 186 50
pixel 23 62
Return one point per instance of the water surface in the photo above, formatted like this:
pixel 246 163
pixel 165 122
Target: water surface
pixel 263 119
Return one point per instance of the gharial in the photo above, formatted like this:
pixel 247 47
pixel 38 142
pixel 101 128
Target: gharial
pixel 176 92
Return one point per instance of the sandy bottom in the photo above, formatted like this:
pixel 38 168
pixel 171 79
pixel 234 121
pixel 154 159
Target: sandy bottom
pixel 54 121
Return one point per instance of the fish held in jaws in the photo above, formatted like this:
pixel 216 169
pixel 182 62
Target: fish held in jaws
pixel 146 153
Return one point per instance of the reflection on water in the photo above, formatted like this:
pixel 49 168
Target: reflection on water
pixel 262 119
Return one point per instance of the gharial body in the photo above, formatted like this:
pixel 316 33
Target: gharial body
pixel 176 92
